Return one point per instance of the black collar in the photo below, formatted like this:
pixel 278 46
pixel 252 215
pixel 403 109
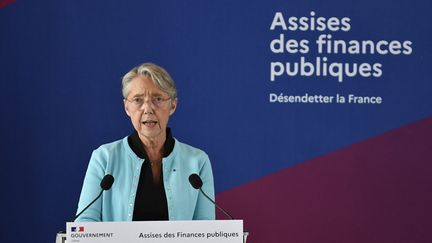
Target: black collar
pixel 137 146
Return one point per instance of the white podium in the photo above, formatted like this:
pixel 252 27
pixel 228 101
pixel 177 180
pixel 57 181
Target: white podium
pixel 202 231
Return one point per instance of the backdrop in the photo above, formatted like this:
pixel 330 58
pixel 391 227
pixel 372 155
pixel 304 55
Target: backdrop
pixel 316 115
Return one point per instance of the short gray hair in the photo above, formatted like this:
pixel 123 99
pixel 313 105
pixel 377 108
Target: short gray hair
pixel 157 74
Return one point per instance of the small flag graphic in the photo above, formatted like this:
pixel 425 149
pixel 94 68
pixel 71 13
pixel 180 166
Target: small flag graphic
pixel 77 229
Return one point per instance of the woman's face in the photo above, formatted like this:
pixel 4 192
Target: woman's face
pixel 149 108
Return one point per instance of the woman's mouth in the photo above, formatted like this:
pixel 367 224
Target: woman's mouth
pixel 149 123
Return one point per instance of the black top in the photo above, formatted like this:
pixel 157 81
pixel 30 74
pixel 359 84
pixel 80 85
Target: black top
pixel 150 200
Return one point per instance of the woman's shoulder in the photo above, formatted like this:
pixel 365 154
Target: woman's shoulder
pixel 187 149
pixel 112 147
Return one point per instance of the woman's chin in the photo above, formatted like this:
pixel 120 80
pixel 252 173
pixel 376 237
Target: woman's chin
pixel 152 132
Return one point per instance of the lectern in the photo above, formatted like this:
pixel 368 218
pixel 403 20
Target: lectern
pixel 199 231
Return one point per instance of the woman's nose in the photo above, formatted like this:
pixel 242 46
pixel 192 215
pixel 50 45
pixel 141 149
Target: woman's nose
pixel 147 106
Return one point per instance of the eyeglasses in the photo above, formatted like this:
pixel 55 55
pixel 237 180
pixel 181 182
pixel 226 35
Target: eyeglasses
pixel 156 101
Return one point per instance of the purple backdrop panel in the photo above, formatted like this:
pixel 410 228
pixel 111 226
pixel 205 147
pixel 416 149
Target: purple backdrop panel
pixel 376 191
pixel 4 3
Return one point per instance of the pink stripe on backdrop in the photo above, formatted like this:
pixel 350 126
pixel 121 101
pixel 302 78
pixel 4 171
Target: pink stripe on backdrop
pixel 4 3
pixel 376 191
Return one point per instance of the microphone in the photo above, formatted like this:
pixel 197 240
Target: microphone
pixel 196 182
pixel 105 184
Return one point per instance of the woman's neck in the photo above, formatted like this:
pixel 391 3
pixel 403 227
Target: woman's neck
pixel 154 147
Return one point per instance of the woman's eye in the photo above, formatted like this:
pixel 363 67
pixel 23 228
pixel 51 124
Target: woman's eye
pixel 138 100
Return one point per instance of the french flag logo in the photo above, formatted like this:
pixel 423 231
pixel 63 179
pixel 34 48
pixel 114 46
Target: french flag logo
pixel 77 229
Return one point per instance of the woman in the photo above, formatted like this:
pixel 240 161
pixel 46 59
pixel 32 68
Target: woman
pixel 150 167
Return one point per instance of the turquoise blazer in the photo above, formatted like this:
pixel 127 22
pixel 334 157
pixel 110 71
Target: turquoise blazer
pixel 117 204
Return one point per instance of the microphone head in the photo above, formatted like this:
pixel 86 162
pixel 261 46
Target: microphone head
pixel 195 181
pixel 107 182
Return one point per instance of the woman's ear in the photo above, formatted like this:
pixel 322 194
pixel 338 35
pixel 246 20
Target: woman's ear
pixel 126 107
pixel 173 106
